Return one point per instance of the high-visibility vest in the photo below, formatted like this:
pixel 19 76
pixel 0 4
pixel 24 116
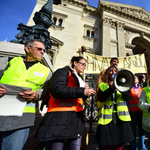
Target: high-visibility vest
pixel 147 92
pixel 18 75
pixel 133 102
pixel 106 108
pixel 66 105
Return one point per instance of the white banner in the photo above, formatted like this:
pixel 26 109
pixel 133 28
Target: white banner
pixel 96 63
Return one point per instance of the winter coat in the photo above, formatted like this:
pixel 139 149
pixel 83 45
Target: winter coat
pixel 62 124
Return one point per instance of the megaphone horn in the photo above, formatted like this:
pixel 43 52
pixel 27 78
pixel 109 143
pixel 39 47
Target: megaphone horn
pixel 123 80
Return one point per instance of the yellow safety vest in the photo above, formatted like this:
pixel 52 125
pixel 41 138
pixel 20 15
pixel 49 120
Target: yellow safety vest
pixel 147 92
pixel 18 75
pixel 105 109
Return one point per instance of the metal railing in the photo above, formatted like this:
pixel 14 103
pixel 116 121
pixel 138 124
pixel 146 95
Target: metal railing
pixel 90 106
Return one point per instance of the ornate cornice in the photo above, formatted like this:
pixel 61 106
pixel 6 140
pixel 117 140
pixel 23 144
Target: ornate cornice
pixel 84 4
pixel 90 9
pixel 80 3
pixel 76 2
pixel 137 15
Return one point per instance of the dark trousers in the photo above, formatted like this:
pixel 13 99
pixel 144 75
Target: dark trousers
pixel 136 121
pixel 72 144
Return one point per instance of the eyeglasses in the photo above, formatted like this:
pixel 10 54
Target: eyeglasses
pixel 83 64
pixel 38 49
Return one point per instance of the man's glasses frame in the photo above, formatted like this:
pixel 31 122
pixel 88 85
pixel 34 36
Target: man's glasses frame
pixel 38 48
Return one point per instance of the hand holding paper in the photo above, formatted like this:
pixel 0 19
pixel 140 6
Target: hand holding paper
pixel 11 104
pixel 29 95
pixel 2 91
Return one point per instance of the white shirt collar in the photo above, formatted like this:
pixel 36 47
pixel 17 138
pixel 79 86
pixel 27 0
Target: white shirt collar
pixel 81 82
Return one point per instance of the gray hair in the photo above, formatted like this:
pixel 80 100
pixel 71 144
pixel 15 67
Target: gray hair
pixel 30 43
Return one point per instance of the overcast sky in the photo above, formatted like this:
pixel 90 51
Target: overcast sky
pixel 13 12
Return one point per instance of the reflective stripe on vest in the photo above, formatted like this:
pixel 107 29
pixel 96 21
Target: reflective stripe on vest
pixel 106 116
pixel 121 103
pixel 18 75
pixel 66 105
pixel 133 102
pixel 28 109
pixel 106 110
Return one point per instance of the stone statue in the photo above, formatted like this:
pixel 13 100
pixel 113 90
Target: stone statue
pixel 39 31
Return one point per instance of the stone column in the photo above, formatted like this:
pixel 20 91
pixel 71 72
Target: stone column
pixel 55 52
pixel 121 39
pixel 106 41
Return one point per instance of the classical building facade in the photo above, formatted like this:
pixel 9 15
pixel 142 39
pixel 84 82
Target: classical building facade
pixel 111 29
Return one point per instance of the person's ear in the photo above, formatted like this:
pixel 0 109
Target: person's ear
pixel 75 63
pixel 27 49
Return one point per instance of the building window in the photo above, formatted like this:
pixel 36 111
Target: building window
pixel 92 34
pixel 54 20
pixel 60 22
pixel 88 33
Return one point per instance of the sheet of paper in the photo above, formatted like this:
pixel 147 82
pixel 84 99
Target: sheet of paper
pixel 14 90
pixel 11 104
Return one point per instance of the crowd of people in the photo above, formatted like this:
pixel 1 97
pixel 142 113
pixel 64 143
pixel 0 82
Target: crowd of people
pixel 120 114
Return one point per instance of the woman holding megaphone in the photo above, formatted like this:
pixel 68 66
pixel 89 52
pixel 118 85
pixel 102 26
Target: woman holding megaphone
pixel 114 120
